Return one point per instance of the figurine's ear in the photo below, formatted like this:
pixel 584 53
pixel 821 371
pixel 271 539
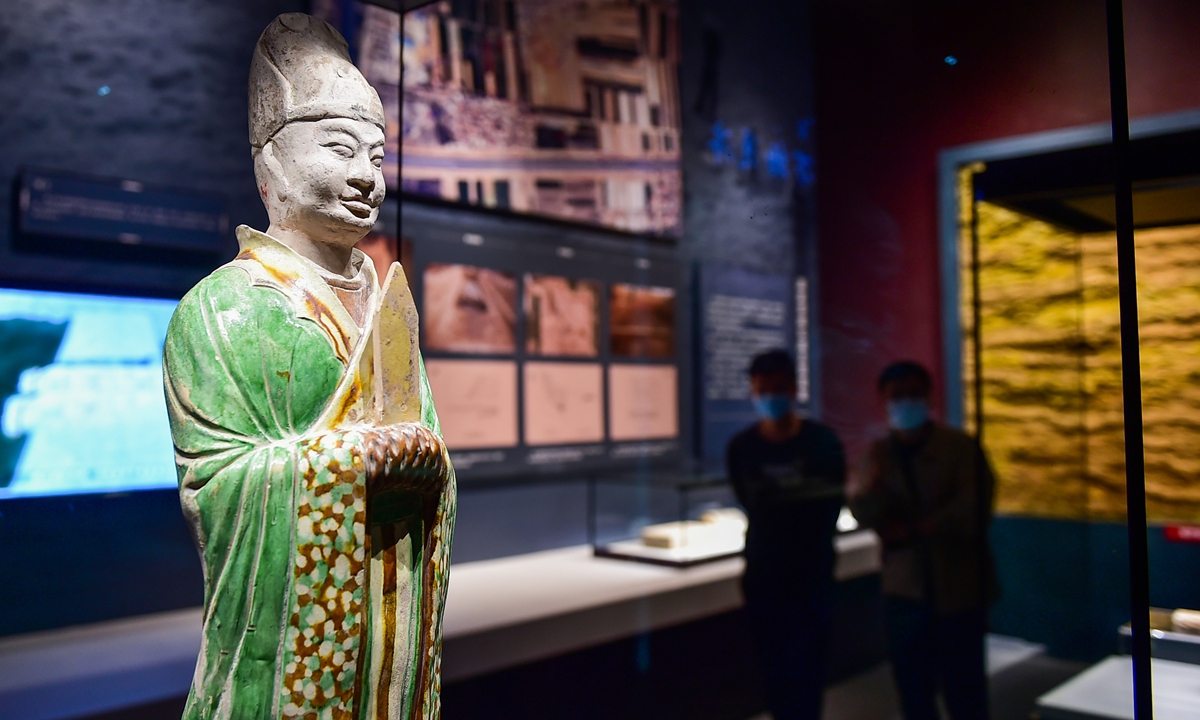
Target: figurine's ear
pixel 276 178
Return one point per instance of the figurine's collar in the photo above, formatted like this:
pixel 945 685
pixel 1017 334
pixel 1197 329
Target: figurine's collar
pixel 271 263
pixel 250 239
pixel 255 240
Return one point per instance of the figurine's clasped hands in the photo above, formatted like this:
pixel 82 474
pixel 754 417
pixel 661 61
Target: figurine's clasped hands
pixel 405 456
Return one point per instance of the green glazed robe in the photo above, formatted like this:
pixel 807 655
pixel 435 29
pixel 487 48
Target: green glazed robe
pixel 321 601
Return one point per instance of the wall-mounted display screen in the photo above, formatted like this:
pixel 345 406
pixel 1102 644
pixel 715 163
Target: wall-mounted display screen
pixel 642 321
pixel 476 402
pixel 564 403
pixel 562 316
pixel 469 309
pixel 643 402
pixel 82 392
pixel 539 107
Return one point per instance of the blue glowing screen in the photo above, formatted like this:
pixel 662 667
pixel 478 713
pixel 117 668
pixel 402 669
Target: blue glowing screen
pixel 81 387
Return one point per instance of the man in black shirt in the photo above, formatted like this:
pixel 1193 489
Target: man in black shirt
pixel 789 474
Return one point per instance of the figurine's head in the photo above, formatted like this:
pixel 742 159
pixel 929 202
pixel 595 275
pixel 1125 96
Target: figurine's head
pixel 316 127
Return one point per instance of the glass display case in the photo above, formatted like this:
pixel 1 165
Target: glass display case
pixel 675 519
pixel 1174 635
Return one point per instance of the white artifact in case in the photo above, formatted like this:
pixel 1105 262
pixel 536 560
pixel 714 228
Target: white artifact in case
pixel 718 533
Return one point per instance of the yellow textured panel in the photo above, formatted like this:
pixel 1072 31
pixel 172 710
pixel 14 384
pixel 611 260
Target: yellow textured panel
pixel 1169 310
pixel 1052 365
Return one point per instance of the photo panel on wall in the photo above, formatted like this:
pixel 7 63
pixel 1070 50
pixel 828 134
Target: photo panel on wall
pixel 470 309
pixel 562 316
pixel 642 321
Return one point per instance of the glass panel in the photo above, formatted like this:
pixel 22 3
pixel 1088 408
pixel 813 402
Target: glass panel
pixel 1166 213
pixel 1042 385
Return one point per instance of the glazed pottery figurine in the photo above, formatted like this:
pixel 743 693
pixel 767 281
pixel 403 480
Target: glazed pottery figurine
pixel 311 465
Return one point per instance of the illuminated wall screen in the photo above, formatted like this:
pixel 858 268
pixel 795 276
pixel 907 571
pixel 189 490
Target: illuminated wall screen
pixel 82 392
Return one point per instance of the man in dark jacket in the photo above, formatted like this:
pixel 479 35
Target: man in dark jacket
pixel 789 474
pixel 927 490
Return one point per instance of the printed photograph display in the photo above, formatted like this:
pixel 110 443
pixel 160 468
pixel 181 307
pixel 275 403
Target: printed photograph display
pixel 476 402
pixel 562 316
pixel 642 321
pixel 564 403
pixel 567 110
pixel 469 309
pixel 643 402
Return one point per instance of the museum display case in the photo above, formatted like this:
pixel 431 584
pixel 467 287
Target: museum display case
pixel 676 519
pixel 670 519
pixel 1174 635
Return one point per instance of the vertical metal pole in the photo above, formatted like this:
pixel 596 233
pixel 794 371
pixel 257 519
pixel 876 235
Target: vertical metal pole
pixel 976 315
pixel 984 509
pixel 1131 377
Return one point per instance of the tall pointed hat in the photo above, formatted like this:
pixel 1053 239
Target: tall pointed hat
pixel 302 71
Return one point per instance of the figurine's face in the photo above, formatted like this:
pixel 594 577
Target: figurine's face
pixel 324 179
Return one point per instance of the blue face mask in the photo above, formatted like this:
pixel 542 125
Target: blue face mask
pixel 772 407
pixel 907 414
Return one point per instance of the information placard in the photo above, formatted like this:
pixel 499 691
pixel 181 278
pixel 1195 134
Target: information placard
pixel 476 402
pixel 643 402
pixel 743 313
pixel 114 211
pixel 588 323
pixel 564 403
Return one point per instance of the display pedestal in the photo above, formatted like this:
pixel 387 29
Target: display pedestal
pixel 500 613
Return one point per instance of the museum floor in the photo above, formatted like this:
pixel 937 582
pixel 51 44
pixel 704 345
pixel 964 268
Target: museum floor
pixel 1014 691
pixel 1018 675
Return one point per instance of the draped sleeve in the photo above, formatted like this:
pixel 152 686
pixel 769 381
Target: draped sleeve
pixel 436 572
pixel 245 379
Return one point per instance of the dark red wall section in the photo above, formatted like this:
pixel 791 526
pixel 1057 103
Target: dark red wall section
pixel 888 102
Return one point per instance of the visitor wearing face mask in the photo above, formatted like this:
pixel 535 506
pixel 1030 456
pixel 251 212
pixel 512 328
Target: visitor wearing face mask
pixel 789 474
pixel 926 489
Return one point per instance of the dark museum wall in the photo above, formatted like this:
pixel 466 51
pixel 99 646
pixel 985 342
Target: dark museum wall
pixel 146 90
pixel 746 89
pixel 887 103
